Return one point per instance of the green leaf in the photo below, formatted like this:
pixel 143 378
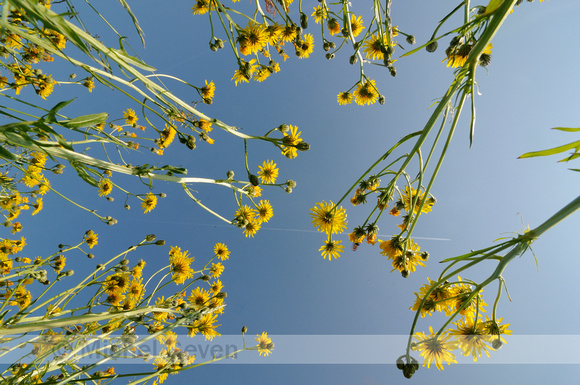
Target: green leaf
pixel 567 129
pixel 80 169
pixel 4 153
pixel 552 151
pixel 51 116
pixel 85 120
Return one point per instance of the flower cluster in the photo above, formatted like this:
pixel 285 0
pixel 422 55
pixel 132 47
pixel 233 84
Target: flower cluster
pixel 340 27
pixel 472 335
pixel 124 302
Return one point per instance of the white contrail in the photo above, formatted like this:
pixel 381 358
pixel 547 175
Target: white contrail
pixel 294 230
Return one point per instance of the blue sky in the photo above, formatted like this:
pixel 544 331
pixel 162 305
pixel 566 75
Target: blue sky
pixel 278 282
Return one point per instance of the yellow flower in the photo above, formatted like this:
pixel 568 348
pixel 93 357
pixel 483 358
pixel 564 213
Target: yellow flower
pixel 202 7
pixel 291 140
pixel 268 172
pixel 265 344
pixel 262 75
pixel 305 47
pixel 91 238
pixel 344 98
pixel 37 206
pixel 374 47
pixel 366 93
pixel 89 83
pixel 331 249
pixel 406 263
pixel 289 33
pixel 495 329
pixel 471 338
pixel 199 298
pixel 135 291
pixel 328 218
pixel 254 37
pixel 333 26
pixel 265 211
pixel 216 269
pixel 206 326
pixel 208 91
pixel 320 13
pixel 392 248
pixel 462 293
pixel 221 250
pixel 435 348
pixel 181 267
pixel 105 187
pixel 356 25
pixel 130 117
pixel 166 136
pixel 149 202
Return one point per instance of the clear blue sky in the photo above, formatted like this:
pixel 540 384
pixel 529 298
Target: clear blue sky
pixel 278 282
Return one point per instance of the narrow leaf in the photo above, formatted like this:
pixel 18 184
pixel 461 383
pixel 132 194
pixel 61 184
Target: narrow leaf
pixel 85 120
pixel 552 151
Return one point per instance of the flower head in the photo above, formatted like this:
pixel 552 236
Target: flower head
pixel 366 93
pixel 291 139
pixel 328 218
pixel 149 202
pixel 265 344
pixel 130 117
pixel 181 267
pixel 435 348
pixel 331 249
pixel 344 98
pixel 264 211
pixel 221 250
pixel 268 172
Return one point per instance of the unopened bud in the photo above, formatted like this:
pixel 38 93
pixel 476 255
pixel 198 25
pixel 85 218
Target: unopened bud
pixel 291 183
pixel 288 190
pixel 69 273
pixel 329 56
pixel 303 146
pixel 90 256
pixel 496 344
pixel 254 180
pixel 283 128
pixel 381 99
pixel 303 21
pixel 244 329
pixel 230 174
pixel 150 237
pixel 411 39
pixel 405 273
pixel 160 242
pixel 353 59
pixel 432 47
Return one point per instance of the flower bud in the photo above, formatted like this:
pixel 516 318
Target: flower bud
pixel 485 59
pixel 496 344
pixel 160 242
pixel 213 47
pixel 408 371
pixel 110 199
pixel 425 255
pixel 127 207
pixel 326 46
pixel 190 143
pixel 230 174
pixel 332 45
pixel 329 56
pixel 303 21
pixel 411 39
pixel 283 128
pixel 432 47
pixel 112 222
pixel 100 266
pixel 205 278
pixel 303 146
pixel 69 273
pixel 124 262
pixel 244 329
pixel 221 294
pixel 393 71
pixel 405 273
pixel 150 237
pixel 381 99
pixel 288 190
pixel 90 256
pixel 219 43
pixel 353 59
pixel 254 180
pixel 291 183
